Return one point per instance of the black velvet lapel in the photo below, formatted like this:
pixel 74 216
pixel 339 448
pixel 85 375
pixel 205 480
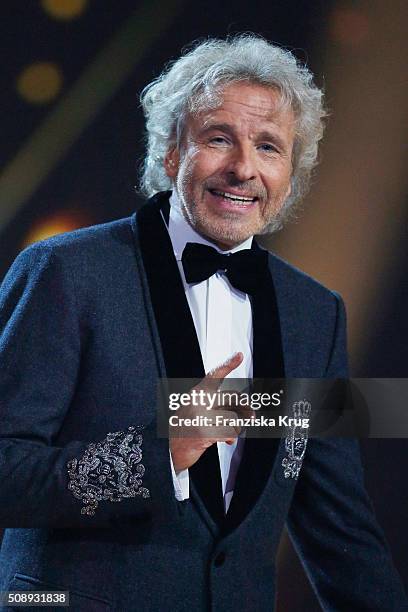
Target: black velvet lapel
pixel 182 358
pixel 181 350
pixel 267 343
pixel 259 453
pixel 178 337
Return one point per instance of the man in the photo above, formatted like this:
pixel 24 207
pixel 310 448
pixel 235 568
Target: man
pixel 106 509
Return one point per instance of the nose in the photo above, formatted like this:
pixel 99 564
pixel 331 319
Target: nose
pixel 241 164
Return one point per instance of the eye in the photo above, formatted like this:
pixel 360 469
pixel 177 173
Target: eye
pixel 267 147
pixel 218 141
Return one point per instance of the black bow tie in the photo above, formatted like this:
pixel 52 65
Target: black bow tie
pixel 246 270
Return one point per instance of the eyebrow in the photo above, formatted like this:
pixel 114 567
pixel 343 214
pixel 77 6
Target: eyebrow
pixel 222 127
pixel 228 129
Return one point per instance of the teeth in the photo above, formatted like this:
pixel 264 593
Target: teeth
pixel 235 198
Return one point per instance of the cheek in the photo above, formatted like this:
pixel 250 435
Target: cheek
pixel 205 163
pixel 188 166
pixel 279 180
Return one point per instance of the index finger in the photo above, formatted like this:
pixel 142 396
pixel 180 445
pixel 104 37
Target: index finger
pixel 214 378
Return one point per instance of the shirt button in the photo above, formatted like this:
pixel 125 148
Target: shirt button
pixel 219 559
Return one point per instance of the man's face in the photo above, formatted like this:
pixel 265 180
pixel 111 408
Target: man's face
pixel 233 168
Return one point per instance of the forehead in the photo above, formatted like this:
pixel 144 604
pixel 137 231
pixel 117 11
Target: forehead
pixel 245 102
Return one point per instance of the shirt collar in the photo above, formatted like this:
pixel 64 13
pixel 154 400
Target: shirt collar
pixel 181 231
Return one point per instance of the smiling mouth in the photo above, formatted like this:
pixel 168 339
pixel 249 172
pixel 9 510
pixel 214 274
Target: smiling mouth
pixel 244 200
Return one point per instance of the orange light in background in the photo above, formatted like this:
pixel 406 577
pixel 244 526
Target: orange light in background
pixel 40 82
pixel 64 9
pixel 54 225
pixel 349 26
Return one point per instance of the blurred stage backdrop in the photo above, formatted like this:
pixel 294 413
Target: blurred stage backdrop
pixel 72 142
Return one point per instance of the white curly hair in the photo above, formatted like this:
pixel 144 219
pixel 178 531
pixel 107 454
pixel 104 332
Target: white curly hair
pixel 195 80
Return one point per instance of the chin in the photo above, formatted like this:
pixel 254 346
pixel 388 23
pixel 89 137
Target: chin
pixel 227 235
pixel 225 229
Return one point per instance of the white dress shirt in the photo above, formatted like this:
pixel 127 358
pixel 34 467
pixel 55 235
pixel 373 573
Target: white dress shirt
pixel 222 318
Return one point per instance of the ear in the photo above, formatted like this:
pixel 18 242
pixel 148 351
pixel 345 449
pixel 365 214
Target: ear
pixel 171 162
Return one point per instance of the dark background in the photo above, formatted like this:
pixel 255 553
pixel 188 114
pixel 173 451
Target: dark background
pixel 72 143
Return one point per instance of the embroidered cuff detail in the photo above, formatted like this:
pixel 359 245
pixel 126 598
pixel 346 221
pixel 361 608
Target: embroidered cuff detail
pixel 110 470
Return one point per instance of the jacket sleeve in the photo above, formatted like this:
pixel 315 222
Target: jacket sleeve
pixel 90 483
pixel 332 523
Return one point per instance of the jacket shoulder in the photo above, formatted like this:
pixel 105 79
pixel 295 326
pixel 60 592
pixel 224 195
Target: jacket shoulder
pixel 86 239
pixel 313 322
pixel 102 243
pixel 289 279
pixel 89 253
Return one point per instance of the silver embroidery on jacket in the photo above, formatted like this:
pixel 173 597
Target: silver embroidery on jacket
pixel 296 440
pixel 110 470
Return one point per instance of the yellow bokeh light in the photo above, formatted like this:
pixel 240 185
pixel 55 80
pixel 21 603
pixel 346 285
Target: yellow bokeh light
pixel 52 226
pixel 40 82
pixel 64 9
